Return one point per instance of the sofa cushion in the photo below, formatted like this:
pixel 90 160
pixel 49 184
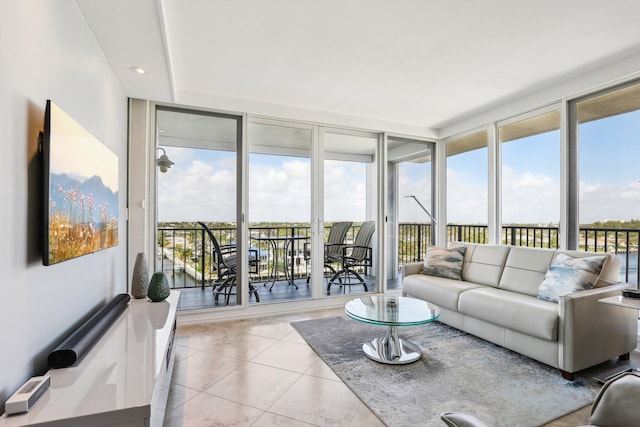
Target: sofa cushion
pixel 484 264
pixel 437 290
pixel 512 310
pixel 446 263
pixel 525 269
pixel 567 275
pixel 610 272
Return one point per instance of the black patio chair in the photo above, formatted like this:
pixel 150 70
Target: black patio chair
pixel 332 248
pixel 225 262
pixel 360 254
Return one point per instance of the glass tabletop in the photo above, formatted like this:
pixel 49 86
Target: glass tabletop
pixel 391 310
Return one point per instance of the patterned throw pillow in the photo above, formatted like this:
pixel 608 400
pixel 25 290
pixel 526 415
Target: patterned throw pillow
pixel 567 275
pixel 445 263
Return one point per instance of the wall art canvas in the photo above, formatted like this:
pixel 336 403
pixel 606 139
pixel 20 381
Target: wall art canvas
pixel 81 176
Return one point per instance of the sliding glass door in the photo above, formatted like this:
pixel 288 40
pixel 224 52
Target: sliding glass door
pixel 253 219
pixel 279 208
pixel 349 200
pixel 197 206
pixel 412 217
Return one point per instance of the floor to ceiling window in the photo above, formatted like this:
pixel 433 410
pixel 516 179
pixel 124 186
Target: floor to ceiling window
pixel 410 198
pixel 196 203
pixel 243 219
pixel 350 201
pixel 279 207
pixel 467 188
pixel 530 180
pixel 608 140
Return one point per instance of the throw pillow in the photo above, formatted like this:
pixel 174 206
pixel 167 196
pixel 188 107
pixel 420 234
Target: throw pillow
pixel 566 275
pixel 445 263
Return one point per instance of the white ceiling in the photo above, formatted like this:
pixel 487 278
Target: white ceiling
pixel 425 63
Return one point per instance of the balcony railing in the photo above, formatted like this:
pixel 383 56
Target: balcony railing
pixel 622 242
pixel 183 251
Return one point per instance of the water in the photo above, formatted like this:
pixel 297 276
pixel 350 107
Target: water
pixel 633 268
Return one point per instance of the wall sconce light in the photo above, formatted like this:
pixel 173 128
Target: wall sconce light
pixel 163 161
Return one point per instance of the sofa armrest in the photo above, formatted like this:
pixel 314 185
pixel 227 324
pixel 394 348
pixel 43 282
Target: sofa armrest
pixel 590 331
pixel 411 268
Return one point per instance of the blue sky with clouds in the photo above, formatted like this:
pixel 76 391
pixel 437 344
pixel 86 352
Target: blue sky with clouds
pixel 204 182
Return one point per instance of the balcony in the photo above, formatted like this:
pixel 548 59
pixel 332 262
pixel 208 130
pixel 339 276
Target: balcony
pixel 282 273
pixel 182 251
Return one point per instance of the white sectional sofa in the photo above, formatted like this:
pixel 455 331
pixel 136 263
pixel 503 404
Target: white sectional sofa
pixel 497 300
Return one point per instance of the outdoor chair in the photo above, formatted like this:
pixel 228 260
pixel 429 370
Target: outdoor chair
pixel 332 248
pixel 358 255
pixel 225 262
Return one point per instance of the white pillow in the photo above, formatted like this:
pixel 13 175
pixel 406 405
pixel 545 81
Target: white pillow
pixel 567 275
pixel 445 263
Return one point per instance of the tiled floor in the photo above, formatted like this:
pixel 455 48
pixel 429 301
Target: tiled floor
pixel 257 373
pixel 260 372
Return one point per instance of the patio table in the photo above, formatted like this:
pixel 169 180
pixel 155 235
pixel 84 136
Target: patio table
pixel 283 243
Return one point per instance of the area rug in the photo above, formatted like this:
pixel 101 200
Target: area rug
pixel 457 372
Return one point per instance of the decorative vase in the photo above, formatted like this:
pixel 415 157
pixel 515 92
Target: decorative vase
pixel 140 279
pixel 158 287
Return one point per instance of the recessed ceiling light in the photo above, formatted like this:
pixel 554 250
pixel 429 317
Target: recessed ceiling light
pixel 139 70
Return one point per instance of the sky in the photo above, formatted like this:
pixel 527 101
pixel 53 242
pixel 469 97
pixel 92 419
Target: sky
pixel 279 186
pixel 89 156
pixel 609 150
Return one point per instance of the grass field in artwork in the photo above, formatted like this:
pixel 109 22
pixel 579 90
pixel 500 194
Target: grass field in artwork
pixel 82 190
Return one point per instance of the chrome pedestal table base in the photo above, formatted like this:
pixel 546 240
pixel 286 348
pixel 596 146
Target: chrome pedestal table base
pixel 391 349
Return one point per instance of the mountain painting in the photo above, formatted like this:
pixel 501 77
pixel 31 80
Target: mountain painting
pixel 82 191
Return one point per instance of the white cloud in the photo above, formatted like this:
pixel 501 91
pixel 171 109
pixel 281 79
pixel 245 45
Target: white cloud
pixel 280 194
pixel 414 183
pixel 345 191
pixel 196 190
pixel 466 198
pixel 600 202
pixel 528 198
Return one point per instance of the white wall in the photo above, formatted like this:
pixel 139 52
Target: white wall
pixel 48 52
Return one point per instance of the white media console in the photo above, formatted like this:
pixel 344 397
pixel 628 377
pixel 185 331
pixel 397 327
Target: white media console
pixel 122 381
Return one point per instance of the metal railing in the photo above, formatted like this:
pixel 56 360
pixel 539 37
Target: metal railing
pixel 413 241
pixel 182 252
pixel 622 242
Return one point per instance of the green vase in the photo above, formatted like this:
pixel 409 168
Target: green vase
pixel 158 287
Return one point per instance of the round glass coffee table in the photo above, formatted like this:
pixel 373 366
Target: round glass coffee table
pixel 391 311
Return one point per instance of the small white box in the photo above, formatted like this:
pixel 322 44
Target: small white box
pixel 27 395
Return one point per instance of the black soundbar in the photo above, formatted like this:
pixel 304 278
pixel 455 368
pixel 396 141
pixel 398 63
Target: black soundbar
pixel 78 344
